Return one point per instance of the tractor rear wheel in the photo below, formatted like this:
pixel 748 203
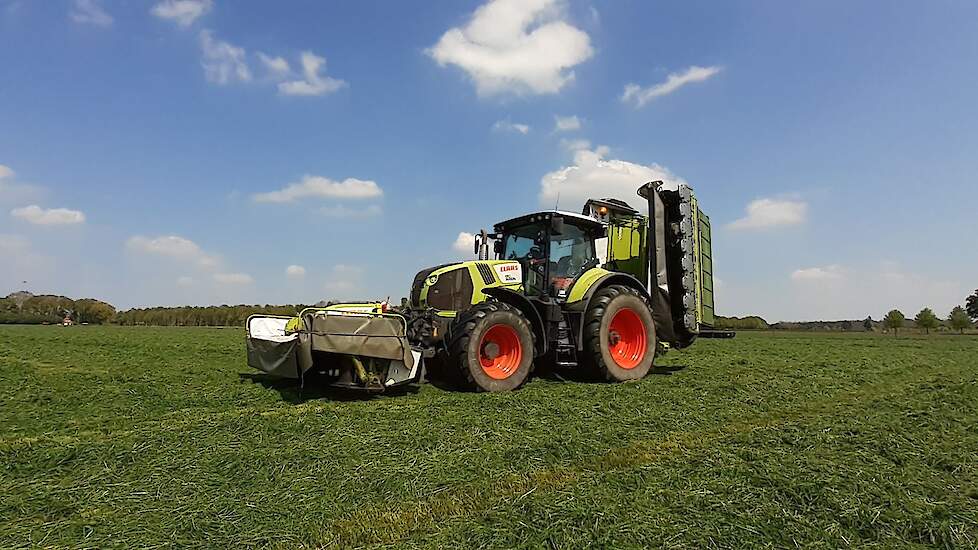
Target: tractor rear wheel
pixel 619 334
pixel 491 347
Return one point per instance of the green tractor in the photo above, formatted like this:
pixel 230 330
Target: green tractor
pixel 603 291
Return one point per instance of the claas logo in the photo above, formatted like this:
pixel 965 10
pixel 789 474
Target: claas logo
pixel 509 267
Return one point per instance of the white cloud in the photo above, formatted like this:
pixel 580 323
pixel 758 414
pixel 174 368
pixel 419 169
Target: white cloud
pixel 515 46
pixel 566 123
pixel 343 211
pixel 277 66
pixel 6 172
pixel 594 176
pixel 639 96
pixel 185 281
pixel 50 216
pixel 313 83
pixel 767 213
pixel 223 62
pixel 509 126
pixel 233 278
pixel 320 187
pixel 295 272
pixel 182 12
pixel 826 273
pixel 465 243
pixel 90 12
pixel 174 247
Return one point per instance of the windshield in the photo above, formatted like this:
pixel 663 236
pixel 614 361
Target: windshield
pixel 549 265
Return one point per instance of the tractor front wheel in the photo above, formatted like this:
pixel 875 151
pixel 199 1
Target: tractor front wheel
pixel 491 346
pixel 619 334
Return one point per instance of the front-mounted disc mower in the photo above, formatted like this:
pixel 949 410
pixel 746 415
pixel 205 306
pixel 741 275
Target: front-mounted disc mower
pixel 602 291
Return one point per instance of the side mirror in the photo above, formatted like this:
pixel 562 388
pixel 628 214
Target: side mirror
pixel 557 225
pixel 482 245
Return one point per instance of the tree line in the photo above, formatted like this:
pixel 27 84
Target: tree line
pixel 959 319
pixel 201 316
pixel 26 308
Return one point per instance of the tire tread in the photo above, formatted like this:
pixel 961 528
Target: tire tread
pixel 460 334
pixel 593 360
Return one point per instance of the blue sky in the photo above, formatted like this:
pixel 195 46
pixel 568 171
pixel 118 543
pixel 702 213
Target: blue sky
pixel 191 151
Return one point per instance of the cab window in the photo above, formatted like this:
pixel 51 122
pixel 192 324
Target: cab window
pixel 526 245
pixel 571 253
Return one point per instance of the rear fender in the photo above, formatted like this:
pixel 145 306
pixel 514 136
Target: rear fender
pixel 608 278
pixel 523 304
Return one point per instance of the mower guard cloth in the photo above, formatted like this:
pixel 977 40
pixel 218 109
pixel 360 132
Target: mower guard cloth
pixel 365 334
pixel 269 328
pixel 270 348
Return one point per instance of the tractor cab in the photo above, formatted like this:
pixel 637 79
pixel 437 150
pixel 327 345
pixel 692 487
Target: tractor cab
pixel 553 248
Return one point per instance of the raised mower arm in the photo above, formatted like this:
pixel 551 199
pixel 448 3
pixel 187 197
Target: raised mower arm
pixel 679 245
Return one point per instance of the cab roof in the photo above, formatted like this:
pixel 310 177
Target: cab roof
pixel 586 222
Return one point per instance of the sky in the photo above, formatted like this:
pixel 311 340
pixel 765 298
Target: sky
pixel 207 151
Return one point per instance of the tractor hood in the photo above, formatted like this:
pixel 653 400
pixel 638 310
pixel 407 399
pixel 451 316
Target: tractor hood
pixel 454 287
pixel 419 282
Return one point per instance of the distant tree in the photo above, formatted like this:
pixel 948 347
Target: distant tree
pixel 868 324
pixel 971 304
pixel 926 320
pixel 92 311
pixel 894 320
pixel 959 319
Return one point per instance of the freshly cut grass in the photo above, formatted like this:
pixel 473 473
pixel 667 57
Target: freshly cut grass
pixel 147 437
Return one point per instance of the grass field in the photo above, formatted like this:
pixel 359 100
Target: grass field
pixel 150 437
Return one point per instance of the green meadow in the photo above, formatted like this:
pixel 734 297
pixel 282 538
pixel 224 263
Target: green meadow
pixel 147 437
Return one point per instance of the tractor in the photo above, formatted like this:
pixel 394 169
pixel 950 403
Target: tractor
pixel 602 291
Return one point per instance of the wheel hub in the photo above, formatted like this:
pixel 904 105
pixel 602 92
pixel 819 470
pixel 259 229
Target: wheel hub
pixel 490 350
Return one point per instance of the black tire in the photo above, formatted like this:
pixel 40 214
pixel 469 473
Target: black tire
pixel 598 336
pixel 468 347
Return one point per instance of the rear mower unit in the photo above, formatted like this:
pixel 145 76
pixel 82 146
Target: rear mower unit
pixel 603 290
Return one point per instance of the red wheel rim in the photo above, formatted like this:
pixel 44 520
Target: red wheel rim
pixel 627 338
pixel 500 352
